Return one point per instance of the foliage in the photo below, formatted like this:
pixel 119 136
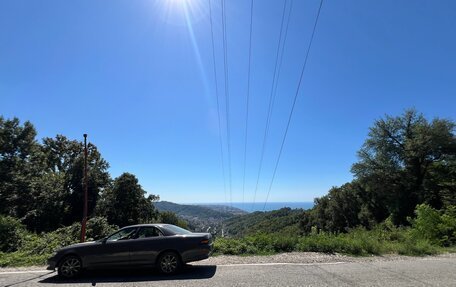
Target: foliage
pixel 11 233
pixel 434 226
pixel 16 259
pixel 98 228
pixel 35 249
pixel 172 218
pixel 358 242
pixel 405 161
pixel 21 164
pixel 65 158
pixel 285 221
pixel 125 203
pixel 41 184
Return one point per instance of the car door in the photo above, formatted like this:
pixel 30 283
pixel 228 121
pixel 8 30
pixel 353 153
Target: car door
pixel 114 250
pixel 146 246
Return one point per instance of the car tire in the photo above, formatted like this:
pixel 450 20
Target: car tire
pixel 70 267
pixel 169 263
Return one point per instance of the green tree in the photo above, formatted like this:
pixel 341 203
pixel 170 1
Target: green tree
pixel 125 203
pixel 172 218
pixel 50 205
pixel 337 211
pixel 21 165
pixel 65 158
pixel 408 160
pixel 405 161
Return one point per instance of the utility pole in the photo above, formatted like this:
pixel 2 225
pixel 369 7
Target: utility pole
pixel 84 213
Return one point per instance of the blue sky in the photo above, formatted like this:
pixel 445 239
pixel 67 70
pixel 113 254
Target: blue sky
pixel 137 77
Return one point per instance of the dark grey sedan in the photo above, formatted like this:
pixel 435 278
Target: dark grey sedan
pixel 165 246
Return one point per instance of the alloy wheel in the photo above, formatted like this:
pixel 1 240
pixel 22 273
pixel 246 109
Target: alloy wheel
pixel 169 263
pixel 70 267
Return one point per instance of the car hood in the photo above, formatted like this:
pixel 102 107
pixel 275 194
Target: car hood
pixel 80 245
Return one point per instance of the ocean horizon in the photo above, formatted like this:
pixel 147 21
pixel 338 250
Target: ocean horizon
pixel 260 206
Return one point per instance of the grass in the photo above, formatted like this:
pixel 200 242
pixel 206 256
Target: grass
pixel 358 242
pixel 35 249
pixel 19 259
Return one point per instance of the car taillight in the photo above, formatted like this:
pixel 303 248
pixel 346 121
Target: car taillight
pixel 204 241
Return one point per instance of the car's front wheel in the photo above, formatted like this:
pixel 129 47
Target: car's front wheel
pixel 70 267
pixel 169 263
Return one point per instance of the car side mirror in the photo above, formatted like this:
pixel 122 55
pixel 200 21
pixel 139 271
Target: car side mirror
pixel 104 240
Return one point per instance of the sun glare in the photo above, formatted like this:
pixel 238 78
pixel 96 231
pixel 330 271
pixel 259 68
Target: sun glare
pixel 179 2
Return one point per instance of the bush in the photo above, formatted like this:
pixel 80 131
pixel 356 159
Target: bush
pixel 433 226
pixel 417 248
pixel 20 258
pixel 11 234
pixel 47 243
pixel 98 227
pixel 447 227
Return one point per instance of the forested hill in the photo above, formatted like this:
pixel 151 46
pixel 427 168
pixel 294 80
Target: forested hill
pixel 189 211
pixel 285 221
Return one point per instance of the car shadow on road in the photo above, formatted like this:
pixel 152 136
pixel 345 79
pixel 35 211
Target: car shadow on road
pixel 135 275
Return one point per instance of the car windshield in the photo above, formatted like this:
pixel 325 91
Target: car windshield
pixel 122 234
pixel 177 230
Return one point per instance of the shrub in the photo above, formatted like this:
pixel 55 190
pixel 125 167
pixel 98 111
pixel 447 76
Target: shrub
pixel 98 227
pixel 447 227
pixel 20 258
pixel 11 234
pixel 46 243
pixel 416 248
pixel 425 225
pixel 431 225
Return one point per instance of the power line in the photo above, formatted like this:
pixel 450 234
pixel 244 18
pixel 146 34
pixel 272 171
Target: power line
pixel 271 103
pixel 218 102
pixel 274 90
pixel 227 96
pixel 294 102
pixel 248 99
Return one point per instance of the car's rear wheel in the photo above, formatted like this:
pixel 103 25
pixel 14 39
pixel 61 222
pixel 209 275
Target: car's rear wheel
pixel 70 267
pixel 169 263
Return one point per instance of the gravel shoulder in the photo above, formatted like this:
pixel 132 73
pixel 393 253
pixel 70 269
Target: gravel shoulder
pixel 310 257
pixel 292 257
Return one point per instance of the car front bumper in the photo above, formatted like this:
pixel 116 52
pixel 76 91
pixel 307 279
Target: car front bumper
pixel 52 263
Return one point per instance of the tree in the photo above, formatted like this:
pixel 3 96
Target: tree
pixel 21 165
pixel 65 158
pixel 337 211
pixel 51 204
pixel 407 160
pixel 125 203
pixel 171 218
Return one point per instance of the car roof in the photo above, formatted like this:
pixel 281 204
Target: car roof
pixel 147 224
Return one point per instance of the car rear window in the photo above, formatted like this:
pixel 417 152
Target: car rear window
pixel 177 230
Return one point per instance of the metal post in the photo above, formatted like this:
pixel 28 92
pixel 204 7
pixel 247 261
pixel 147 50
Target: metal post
pixel 84 215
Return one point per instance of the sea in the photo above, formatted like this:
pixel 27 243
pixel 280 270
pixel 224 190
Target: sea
pixel 260 206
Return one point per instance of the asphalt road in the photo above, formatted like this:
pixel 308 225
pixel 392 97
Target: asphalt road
pixel 432 271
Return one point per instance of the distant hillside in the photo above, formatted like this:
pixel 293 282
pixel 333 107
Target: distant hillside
pixel 226 209
pixel 285 220
pixel 200 218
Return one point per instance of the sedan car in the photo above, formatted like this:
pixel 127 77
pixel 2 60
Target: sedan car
pixel 164 246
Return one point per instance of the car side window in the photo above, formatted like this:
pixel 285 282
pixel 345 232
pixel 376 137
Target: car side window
pixel 123 234
pixel 146 232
